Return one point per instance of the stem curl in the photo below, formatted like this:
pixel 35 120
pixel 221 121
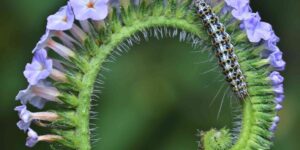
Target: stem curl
pixel 87 50
pixel 256 120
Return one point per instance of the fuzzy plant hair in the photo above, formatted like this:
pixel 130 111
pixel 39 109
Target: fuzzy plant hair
pixel 84 34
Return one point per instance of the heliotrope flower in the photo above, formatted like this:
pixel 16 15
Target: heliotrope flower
pixel 62 36
pixel 39 69
pixel 271 43
pixel 241 9
pixel 27 117
pixel 90 9
pixel 47 42
pixel 62 20
pixel 242 13
pixel 32 138
pixel 278 89
pixel 38 95
pixel 276 61
pixel 279 98
pixel 275 123
pixel 278 107
pixel 42 43
pixel 24 115
pixel 237 4
pixel 256 29
pixel 276 78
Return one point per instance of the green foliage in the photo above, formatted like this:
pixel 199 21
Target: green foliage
pixel 217 140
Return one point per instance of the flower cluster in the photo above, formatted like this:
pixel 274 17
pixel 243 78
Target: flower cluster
pixel 277 82
pixel 62 36
pixel 261 32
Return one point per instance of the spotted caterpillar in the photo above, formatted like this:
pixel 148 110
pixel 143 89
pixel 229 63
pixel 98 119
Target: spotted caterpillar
pixel 228 61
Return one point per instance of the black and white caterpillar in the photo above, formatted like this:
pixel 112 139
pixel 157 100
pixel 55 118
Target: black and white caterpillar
pixel 224 51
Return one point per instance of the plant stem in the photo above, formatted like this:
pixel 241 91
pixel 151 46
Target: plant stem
pixel 103 52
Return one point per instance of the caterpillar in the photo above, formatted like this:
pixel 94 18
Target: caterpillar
pixel 224 50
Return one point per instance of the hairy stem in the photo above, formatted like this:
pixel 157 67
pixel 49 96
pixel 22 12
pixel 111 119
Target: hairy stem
pixel 246 128
pixel 83 112
pixel 86 47
pixel 258 107
pixel 103 52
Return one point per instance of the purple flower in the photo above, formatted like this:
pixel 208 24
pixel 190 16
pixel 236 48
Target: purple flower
pixel 278 107
pixel 27 96
pixel 274 124
pixel 32 138
pixel 237 4
pixel 271 44
pixel 62 20
pixel 275 60
pixel 39 69
pixel 276 119
pixel 37 95
pixel 25 117
pixel 43 41
pixel 279 98
pixel 257 30
pixel 46 41
pixel 242 13
pixel 273 127
pixel 276 78
pixel 90 9
pixel 278 89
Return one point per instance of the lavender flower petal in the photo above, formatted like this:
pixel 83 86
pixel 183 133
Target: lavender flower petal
pixel 279 98
pixel 276 119
pixel 275 60
pixel 43 41
pixel 23 125
pixel 273 127
pixel 242 13
pixel 39 69
pixel 274 124
pixel 236 4
pixel 278 107
pixel 276 78
pixel 62 20
pixel 32 138
pixel 25 117
pixel 29 96
pixel 271 44
pixel 257 30
pixel 278 89
pixel 90 9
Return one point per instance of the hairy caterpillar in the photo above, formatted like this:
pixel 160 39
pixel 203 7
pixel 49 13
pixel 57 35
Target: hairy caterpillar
pixel 223 49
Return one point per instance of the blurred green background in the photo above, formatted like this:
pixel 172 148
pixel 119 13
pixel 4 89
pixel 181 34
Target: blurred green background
pixel 157 94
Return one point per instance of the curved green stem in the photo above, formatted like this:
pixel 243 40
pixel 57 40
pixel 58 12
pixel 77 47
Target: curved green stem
pixel 257 111
pixel 83 112
pixel 246 128
pixel 101 55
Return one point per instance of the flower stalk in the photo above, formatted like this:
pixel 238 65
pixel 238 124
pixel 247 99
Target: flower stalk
pixel 84 33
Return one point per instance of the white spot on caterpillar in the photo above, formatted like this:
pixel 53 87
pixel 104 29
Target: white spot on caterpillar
pixel 223 49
